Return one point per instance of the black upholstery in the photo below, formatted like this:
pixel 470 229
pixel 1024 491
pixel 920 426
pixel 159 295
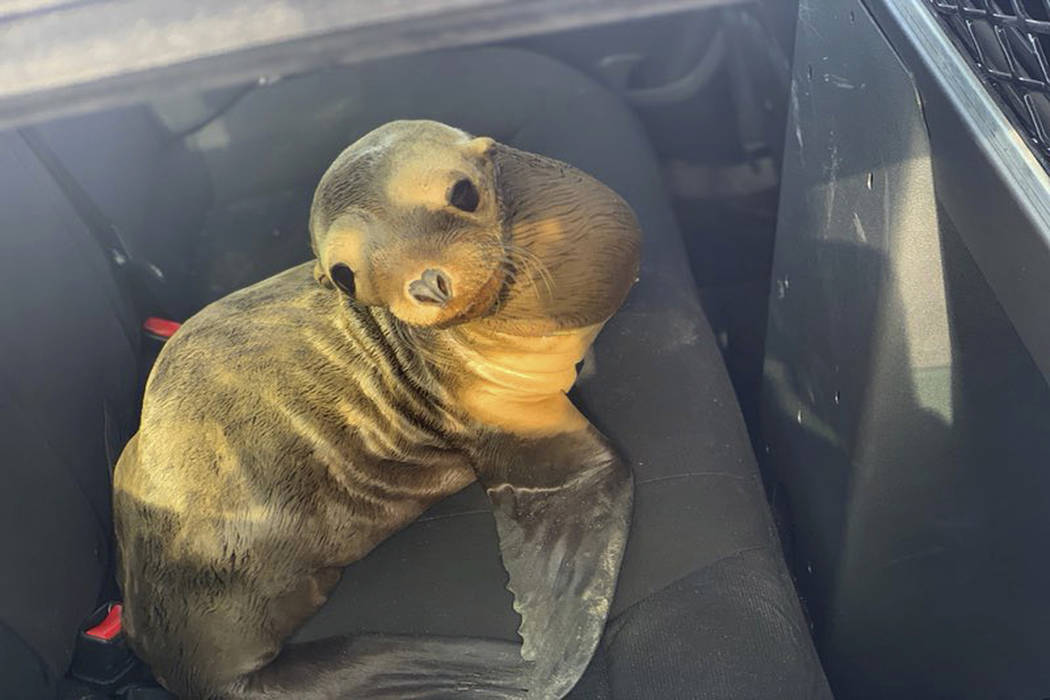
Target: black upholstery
pixel 68 354
pixel 705 608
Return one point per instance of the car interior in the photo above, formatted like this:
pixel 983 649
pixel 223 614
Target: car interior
pixel 158 207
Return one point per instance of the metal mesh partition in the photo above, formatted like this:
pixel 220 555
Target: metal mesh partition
pixel 1008 41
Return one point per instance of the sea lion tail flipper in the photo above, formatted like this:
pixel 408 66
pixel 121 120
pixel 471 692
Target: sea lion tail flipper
pixel 563 509
pixel 390 666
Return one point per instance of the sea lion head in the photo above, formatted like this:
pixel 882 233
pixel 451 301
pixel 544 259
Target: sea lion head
pixel 442 228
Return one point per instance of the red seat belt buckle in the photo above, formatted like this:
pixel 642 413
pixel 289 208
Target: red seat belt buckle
pixel 110 627
pixel 160 328
pixel 101 657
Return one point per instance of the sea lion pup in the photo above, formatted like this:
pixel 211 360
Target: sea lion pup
pixel 290 427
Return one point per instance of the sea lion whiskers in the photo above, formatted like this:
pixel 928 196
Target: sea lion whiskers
pixel 435 354
pixel 533 267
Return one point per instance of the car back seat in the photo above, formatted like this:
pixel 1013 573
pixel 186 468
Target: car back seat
pixel 705 607
pixel 68 364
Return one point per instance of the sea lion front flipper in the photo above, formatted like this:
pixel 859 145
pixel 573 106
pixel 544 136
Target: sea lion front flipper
pixel 388 666
pixel 563 507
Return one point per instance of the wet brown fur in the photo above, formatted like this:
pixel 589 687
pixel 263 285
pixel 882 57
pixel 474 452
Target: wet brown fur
pixel 287 429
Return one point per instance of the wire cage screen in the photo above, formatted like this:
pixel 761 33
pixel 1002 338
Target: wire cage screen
pixel 1008 41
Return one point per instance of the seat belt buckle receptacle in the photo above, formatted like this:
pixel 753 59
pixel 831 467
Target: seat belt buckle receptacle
pixel 101 656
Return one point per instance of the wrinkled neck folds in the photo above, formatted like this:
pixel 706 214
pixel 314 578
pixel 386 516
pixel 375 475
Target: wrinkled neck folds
pixel 508 381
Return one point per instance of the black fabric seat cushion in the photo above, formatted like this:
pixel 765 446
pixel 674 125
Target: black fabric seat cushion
pixel 68 363
pixel 705 607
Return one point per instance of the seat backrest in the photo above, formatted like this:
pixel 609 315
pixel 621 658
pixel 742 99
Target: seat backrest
pixel 68 377
pixel 145 183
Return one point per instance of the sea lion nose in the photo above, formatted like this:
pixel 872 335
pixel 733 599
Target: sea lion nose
pixel 432 287
pixel 343 277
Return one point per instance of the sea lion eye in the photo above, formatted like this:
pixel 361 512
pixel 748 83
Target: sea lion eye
pixel 464 195
pixel 343 277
